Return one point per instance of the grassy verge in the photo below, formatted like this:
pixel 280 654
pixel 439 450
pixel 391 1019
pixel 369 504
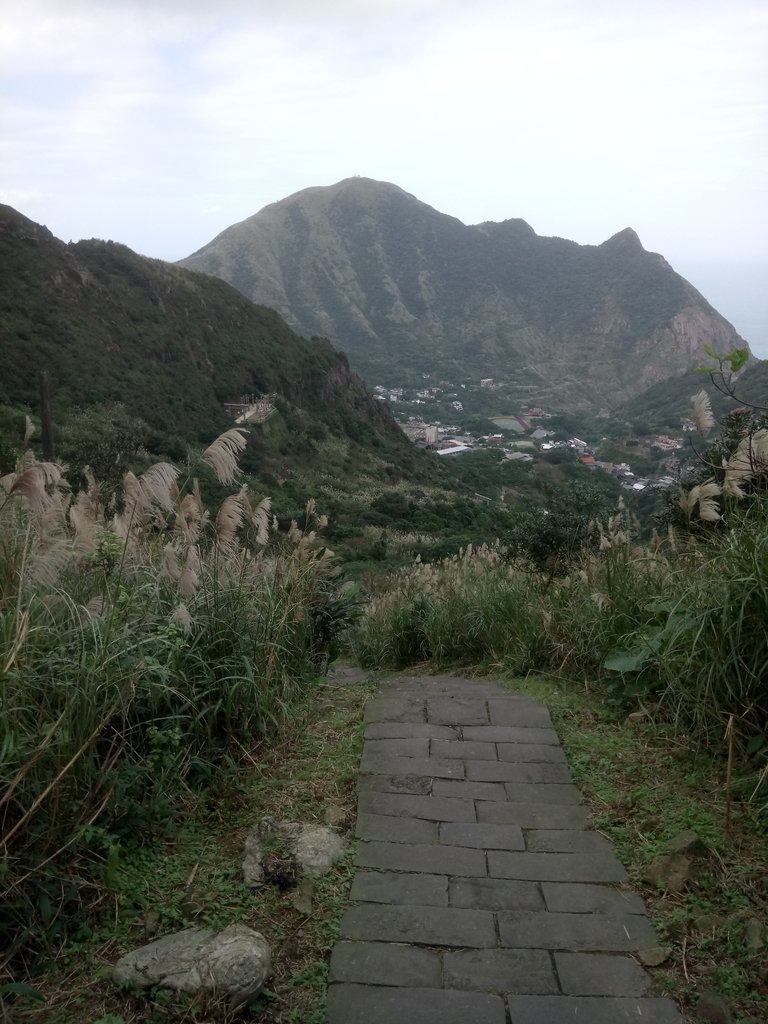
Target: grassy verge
pixel 645 784
pixel 191 875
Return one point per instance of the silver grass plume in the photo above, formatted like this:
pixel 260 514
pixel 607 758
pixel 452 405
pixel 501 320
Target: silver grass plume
pixel 703 496
pixel 190 575
pixel 191 516
pixel 749 459
pixel 222 456
pixel 702 413
pixel 181 617
pixel 39 484
pixel 230 518
pixel 171 568
pixel 260 520
pixel 158 486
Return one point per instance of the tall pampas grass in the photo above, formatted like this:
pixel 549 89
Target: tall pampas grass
pixel 222 456
pixel 702 413
pixel 116 632
pixel 702 499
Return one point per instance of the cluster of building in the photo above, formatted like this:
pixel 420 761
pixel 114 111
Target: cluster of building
pixel 524 436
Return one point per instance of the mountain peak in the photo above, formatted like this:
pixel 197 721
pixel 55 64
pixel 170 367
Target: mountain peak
pixel 627 240
pixel 408 291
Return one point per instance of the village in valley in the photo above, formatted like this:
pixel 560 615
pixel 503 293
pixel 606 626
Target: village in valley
pixel 524 436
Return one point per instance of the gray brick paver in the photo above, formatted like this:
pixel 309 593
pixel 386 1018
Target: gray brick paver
pixel 597 974
pixel 408 730
pixel 591 1010
pixel 399 747
pixel 464 790
pixel 372 1004
pixel 494 894
pixel 576 932
pixel 562 840
pixel 524 971
pixel 431 808
pixel 542 793
pixel 531 815
pixel 576 898
pixel 385 963
pixel 456 711
pixel 415 785
pixel 464 749
pixel 421 890
pixel 482 837
pixel 426 926
pixel 390 829
pixel 502 712
pixel 429 767
pixel 395 709
pixel 442 860
pixel 510 734
pixel 601 866
pixel 521 753
pixel 506 771
pixel 477 880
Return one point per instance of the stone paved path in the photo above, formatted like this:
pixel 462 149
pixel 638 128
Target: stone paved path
pixel 480 896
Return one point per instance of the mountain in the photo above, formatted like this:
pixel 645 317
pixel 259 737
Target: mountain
pixel 665 405
pixel 173 346
pixel 405 290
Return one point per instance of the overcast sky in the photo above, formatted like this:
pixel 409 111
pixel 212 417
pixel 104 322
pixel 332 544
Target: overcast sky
pixel 158 123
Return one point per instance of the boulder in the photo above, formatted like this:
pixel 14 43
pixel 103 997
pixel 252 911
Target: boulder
pixel 713 1009
pixel 653 957
pixel 687 842
pixel 317 848
pixel 670 871
pixel 234 963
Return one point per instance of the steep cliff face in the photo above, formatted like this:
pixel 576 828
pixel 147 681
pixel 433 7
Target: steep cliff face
pixel 405 290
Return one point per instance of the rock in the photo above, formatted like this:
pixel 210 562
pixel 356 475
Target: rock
pixel 314 849
pixel 713 1009
pixel 754 935
pixel 302 898
pixel 151 922
pixel 687 842
pixel 253 873
pixel 317 849
pixel 670 871
pixel 652 957
pixel 235 963
pixel 335 815
pixel 708 924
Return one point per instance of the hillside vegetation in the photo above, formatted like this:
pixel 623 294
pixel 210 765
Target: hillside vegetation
pixel 171 346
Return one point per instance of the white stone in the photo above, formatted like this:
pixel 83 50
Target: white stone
pixel 317 849
pixel 234 963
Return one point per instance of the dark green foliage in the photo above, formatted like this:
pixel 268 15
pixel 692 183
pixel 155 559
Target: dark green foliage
pixel 553 536
pixel 171 346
